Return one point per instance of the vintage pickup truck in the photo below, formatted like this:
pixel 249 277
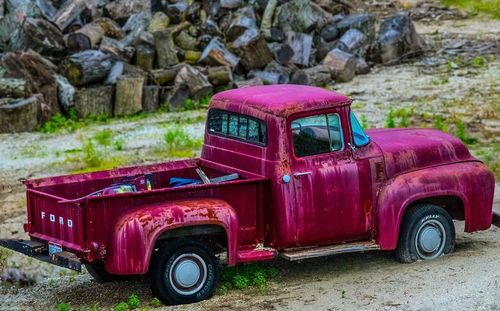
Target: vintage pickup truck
pixel 285 171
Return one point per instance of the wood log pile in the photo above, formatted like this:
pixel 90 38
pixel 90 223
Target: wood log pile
pixel 120 57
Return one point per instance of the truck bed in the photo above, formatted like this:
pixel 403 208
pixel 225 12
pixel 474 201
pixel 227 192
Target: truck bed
pixel 65 210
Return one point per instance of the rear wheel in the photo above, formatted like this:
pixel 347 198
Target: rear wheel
pixel 184 271
pixel 427 232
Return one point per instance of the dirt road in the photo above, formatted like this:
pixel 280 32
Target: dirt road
pixel 468 279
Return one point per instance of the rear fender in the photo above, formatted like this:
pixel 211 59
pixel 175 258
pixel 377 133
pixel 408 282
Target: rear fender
pixel 471 182
pixel 135 234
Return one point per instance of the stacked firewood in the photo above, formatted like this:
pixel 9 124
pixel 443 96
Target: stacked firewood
pixel 119 57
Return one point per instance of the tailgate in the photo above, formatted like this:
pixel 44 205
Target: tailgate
pixel 51 218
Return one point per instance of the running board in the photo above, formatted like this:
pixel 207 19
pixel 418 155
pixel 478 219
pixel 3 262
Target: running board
pixel 320 251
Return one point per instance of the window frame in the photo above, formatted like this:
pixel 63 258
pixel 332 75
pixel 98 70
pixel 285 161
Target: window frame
pixel 326 114
pixel 260 122
pixel 362 129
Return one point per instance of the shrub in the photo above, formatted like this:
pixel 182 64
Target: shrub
pixel 91 156
pixel 103 137
pixel 122 306
pixel 155 303
pixel 133 302
pixel 364 121
pixel 390 123
pixel 62 307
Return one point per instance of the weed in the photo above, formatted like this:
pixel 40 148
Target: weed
pixel 241 277
pixel 33 151
pixel 155 303
pixel 489 155
pixel 343 295
pixel 51 282
pixel 223 289
pixel 62 307
pixel 57 123
pixel 390 123
pixel 133 302
pixel 364 121
pixel 462 135
pixel 177 143
pixel 490 7
pixel 103 137
pixel 95 307
pixel 189 104
pixel 358 105
pixel 122 306
pixel 118 144
pixel 439 125
pixel 403 115
pixel 91 156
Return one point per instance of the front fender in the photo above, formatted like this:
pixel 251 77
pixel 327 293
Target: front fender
pixel 135 233
pixel 472 182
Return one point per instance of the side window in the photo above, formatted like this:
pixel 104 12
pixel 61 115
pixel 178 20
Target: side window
pixel 237 126
pixel 317 134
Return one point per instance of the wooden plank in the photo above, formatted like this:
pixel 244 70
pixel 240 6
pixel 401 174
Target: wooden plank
pixel 314 252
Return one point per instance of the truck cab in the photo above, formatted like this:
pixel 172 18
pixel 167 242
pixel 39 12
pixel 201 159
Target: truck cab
pixel 286 171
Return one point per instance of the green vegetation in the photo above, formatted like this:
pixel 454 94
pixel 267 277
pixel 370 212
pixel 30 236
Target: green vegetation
pixel 34 151
pixel 402 114
pixel 488 153
pixel 103 137
pixel 461 134
pixel 122 306
pixel 390 123
pixel 178 143
pixel 155 303
pixel 133 302
pixel 439 125
pixel 490 7
pixel 62 307
pixel 364 121
pixel 244 276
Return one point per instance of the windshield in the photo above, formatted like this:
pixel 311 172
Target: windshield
pixel 359 136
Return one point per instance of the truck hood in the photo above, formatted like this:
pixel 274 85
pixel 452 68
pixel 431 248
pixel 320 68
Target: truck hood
pixel 410 149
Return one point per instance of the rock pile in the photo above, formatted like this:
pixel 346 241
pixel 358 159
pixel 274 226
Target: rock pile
pixel 119 57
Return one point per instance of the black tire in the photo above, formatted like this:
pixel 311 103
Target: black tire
pixel 178 257
pixel 98 272
pixel 427 232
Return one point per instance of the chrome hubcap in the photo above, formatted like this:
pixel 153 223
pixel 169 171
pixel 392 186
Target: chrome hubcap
pixel 430 239
pixel 187 274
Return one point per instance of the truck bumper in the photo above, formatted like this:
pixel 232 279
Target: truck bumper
pixel 39 250
pixel 496 219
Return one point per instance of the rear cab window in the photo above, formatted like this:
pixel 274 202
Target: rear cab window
pixel 237 126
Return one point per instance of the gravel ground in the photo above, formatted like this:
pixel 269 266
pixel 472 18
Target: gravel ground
pixel 468 279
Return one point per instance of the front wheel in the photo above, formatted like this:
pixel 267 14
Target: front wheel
pixel 427 232
pixel 184 271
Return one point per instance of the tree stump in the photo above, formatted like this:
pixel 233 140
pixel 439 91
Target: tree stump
pixel 117 48
pixel 159 22
pixel 128 95
pixel 38 35
pixel 256 81
pixel 165 76
pixel 65 92
pixel 216 53
pixel 94 101
pixel 342 65
pixel 252 49
pixel 191 57
pixel 166 54
pixel 318 76
pixel 145 57
pixel 68 12
pixel 177 97
pixel 187 42
pixel 86 67
pixel 301 45
pixel 150 98
pixel 19 115
pixel 354 41
pixel 122 9
pixel 15 88
pixel 220 75
pixel 196 82
pixel 90 35
pixel 244 20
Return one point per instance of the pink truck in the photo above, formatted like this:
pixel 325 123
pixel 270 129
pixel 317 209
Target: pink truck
pixel 285 171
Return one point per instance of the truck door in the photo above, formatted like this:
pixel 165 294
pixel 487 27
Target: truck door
pixel 326 181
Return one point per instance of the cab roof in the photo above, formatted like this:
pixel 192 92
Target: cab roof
pixel 281 100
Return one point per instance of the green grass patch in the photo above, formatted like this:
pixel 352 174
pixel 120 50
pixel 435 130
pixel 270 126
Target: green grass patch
pixel 488 153
pixel 178 144
pixel 489 7
pixel 245 276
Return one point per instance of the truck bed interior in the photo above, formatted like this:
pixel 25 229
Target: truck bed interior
pixel 73 187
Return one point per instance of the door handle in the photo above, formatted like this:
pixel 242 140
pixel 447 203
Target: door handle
pixel 298 174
